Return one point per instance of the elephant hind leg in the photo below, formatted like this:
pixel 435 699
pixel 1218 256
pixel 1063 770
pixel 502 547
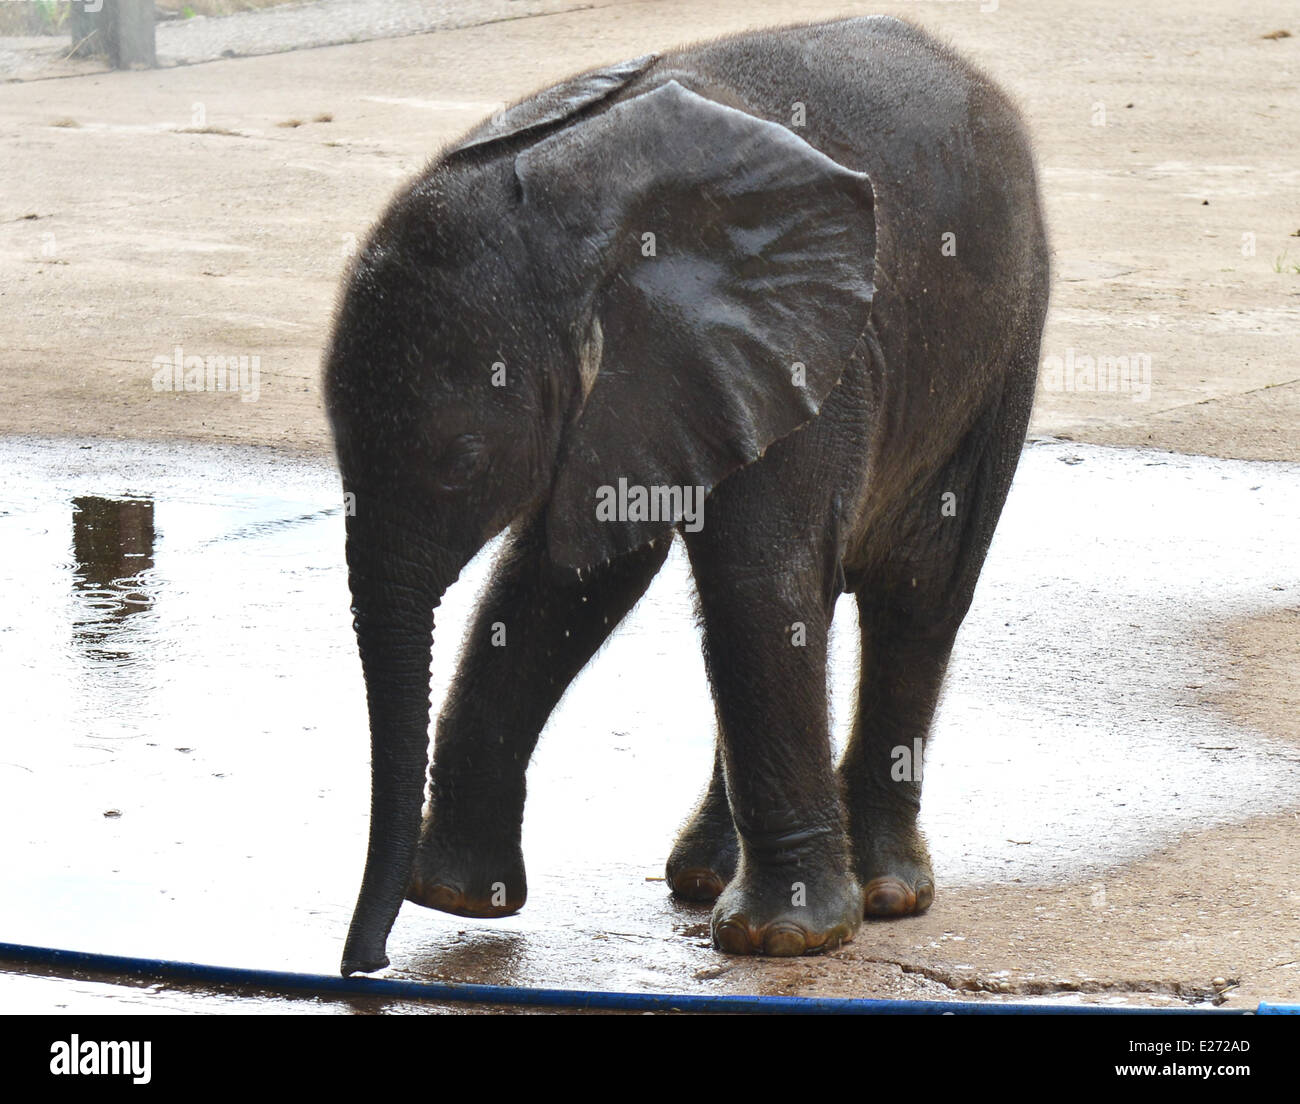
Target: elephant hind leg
pixel 911 601
pixel 881 770
pixel 703 860
pixel 534 630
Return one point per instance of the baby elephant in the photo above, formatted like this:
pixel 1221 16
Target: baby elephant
pixel 781 293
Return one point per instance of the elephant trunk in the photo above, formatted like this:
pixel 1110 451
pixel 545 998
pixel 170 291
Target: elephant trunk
pixel 397 579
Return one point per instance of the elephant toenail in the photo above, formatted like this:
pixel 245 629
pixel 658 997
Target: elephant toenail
pixel 784 941
pixel 887 897
pixel 924 896
pixel 732 937
pixel 697 885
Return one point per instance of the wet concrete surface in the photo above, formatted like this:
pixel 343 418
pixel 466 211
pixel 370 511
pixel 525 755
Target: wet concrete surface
pixel 304 26
pixel 184 771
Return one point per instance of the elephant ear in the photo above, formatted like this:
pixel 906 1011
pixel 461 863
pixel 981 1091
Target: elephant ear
pixel 727 268
pixel 554 105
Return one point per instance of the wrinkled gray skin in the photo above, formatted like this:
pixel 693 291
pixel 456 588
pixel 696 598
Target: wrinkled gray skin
pixel 834 332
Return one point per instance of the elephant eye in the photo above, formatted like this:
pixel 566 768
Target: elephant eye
pixel 460 460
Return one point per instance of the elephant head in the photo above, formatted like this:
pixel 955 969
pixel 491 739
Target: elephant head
pixel 590 288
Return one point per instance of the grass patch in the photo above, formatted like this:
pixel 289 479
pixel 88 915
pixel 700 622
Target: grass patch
pixel 210 130
pixel 40 17
pixel 1283 265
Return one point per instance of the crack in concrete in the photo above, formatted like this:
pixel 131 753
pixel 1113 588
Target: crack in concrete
pixel 1191 992
pixel 1224 398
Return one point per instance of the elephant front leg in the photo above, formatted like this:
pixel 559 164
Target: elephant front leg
pixel 533 632
pixel 793 891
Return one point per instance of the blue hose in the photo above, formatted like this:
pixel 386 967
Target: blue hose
pixel 326 985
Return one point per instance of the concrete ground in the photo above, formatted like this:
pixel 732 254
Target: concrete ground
pixel 212 207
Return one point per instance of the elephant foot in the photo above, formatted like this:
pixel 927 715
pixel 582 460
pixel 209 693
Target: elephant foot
pixel 895 874
pixel 785 912
pixel 703 859
pixel 465 882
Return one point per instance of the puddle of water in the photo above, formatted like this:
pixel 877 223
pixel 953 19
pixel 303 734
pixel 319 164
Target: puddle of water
pixel 185 765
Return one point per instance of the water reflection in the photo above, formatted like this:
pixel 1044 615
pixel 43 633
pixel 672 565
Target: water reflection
pixel 112 546
pixel 233 741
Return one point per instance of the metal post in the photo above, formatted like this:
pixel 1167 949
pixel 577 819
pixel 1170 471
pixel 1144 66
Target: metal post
pixel 121 30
